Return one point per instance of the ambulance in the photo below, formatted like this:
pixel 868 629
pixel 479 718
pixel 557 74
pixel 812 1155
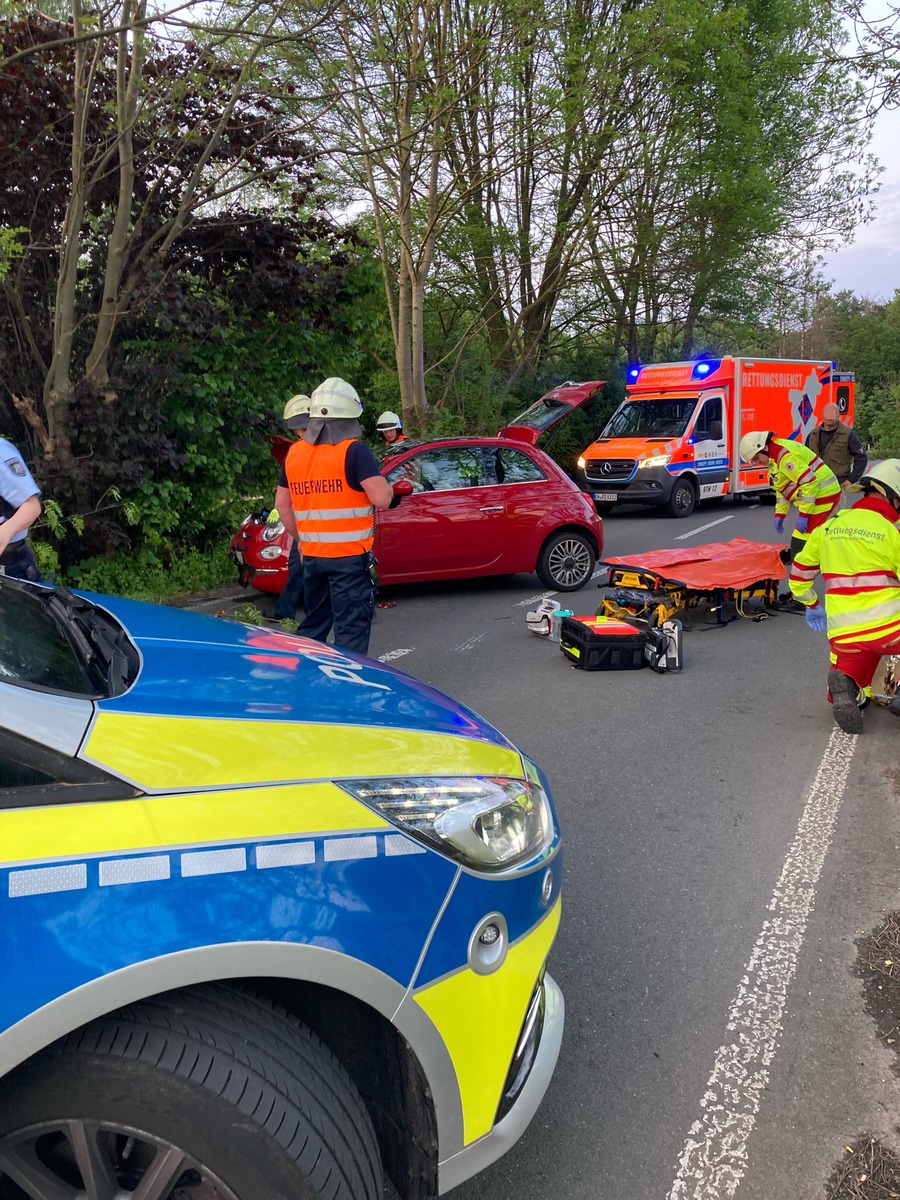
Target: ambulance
pixel 674 439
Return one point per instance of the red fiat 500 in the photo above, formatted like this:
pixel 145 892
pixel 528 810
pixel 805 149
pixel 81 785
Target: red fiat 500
pixel 475 506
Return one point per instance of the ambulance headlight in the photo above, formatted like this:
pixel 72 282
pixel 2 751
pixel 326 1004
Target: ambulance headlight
pixel 492 823
pixel 656 460
pixel 581 463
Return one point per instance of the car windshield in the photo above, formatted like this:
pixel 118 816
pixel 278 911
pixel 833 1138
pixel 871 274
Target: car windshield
pixel 54 640
pixel 651 418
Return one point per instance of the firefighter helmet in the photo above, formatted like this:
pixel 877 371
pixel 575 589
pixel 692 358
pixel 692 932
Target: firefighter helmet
pixel 753 442
pixel 884 478
pixel 296 412
pixel 335 399
pixel 388 420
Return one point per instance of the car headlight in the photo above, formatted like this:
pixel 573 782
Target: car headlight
pixel 273 530
pixel 271 552
pixel 655 460
pixel 489 822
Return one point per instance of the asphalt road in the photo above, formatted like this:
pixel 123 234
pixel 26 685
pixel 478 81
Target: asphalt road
pixel 724 849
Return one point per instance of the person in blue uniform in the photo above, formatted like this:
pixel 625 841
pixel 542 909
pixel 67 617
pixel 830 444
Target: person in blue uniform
pixel 20 507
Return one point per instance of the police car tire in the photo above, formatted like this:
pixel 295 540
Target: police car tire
pixel 225 1075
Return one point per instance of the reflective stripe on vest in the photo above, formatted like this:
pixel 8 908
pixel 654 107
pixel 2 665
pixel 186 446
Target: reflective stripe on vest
pixel 800 477
pixel 333 519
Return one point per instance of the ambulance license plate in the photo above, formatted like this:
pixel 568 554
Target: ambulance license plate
pixel 606 496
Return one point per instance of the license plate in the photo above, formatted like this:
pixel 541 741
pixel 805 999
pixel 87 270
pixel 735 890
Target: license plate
pixel 606 496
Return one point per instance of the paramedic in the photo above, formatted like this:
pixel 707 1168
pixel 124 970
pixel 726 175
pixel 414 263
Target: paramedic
pixel 858 553
pixel 329 489
pixel 20 507
pixel 799 477
pixel 390 428
pixel 838 447
pixel 296 417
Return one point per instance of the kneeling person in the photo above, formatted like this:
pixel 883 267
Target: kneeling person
pixel 858 553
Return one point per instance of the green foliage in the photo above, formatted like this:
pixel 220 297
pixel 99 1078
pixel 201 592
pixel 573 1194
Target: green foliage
pixel 883 419
pixel 10 248
pixel 154 573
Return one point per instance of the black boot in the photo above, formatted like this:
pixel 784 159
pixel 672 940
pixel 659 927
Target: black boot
pixel 845 701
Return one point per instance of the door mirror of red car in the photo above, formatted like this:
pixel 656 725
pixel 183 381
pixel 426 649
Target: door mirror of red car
pixel 403 487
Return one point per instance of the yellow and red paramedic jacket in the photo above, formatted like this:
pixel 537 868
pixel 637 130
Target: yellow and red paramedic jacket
pixel 858 553
pixel 334 520
pixel 800 477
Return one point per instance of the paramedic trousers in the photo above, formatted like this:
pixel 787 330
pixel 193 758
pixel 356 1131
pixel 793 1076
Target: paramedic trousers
pixel 338 592
pixel 292 594
pixel 860 660
pixel 825 508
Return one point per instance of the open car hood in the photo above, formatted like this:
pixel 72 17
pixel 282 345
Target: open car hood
pixel 550 410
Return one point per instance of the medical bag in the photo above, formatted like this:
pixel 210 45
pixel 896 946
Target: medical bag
pixel 602 643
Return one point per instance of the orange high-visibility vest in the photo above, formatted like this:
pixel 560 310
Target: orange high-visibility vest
pixel 333 519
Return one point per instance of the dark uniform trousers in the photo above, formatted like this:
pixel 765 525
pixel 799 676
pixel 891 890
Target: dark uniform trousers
pixel 338 591
pixel 292 593
pixel 18 562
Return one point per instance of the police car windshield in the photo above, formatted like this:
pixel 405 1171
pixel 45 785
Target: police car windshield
pixel 651 418
pixel 35 648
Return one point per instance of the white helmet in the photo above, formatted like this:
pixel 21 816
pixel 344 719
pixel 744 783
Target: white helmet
pixel 388 420
pixel 335 399
pixel 753 442
pixel 296 412
pixel 883 478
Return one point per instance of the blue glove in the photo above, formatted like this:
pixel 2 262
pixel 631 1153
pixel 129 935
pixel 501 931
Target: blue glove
pixel 815 618
pixel 779 524
pixel 802 524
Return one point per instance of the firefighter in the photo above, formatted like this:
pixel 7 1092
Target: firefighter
pixel 20 507
pixel 329 489
pixel 798 477
pixel 391 428
pixel 858 553
pixel 296 417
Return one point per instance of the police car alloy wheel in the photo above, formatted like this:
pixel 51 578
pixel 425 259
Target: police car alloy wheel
pixel 182 1098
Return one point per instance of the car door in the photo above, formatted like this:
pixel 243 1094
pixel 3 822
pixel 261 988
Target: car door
pixel 710 447
pixel 452 524
pixel 527 495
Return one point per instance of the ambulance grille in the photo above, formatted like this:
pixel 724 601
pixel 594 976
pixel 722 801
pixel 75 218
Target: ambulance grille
pixel 606 470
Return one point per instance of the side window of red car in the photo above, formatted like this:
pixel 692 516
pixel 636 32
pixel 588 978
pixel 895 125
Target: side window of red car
pixel 443 469
pixel 514 466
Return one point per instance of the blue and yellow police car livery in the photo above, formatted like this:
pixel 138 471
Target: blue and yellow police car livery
pixel 270 913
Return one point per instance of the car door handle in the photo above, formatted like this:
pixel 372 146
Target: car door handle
pixel 492 508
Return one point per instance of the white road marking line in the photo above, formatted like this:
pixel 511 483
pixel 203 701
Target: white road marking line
pixel 535 599
pixel 714 1157
pixel 392 654
pixel 472 642
pixel 700 528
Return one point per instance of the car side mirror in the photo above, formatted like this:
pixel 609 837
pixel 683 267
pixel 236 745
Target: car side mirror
pixel 403 487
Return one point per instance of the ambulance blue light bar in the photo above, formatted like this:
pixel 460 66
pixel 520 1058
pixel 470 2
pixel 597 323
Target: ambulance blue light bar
pixel 633 373
pixel 705 367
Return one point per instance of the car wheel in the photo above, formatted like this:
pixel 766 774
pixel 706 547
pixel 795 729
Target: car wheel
pixel 207 1094
pixel 683 500
pixel 567 561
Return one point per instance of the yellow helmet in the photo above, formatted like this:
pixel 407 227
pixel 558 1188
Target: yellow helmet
pixel 753 442
pixel 296 412
pixel 883 478
pixel 335 399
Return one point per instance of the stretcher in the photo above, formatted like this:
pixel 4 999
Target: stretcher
pixel 711 578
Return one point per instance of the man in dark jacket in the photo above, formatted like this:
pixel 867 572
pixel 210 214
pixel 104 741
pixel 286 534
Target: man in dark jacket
pixel 838 447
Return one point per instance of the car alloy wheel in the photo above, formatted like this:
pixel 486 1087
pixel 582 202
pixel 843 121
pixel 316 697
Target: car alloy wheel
pixel 567 562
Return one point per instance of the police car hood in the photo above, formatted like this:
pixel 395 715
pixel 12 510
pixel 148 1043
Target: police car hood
pixel 198 666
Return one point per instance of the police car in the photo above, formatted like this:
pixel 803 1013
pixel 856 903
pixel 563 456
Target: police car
pixel 275 918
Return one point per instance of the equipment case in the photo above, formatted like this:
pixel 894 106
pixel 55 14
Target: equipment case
pixel 602 643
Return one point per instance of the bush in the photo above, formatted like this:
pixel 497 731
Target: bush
pixel 148 574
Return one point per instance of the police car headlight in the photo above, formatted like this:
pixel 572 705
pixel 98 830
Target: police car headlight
pixel 656 460
pixel 488 822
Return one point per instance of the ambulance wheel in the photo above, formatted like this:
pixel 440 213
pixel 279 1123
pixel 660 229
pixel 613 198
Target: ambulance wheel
pixel 566 561
pixel 211 1092
pixel 683 500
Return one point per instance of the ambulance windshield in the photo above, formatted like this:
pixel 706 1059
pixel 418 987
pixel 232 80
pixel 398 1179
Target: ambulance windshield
pixel 667 417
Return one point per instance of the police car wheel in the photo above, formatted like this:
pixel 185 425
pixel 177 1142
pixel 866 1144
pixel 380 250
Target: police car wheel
pixel 566 561
pixel 211 1093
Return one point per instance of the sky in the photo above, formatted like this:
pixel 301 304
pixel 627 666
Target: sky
pixel 870 266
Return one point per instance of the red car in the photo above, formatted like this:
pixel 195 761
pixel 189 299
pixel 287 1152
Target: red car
pixel 477 506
